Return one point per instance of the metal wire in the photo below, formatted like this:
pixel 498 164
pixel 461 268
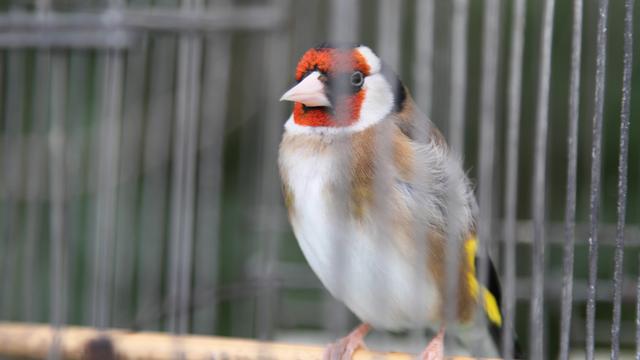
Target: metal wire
pixel 58 275
pixel 253 18
pixel 79 148
pixel 513 136
pixel 154 215
pixel 490 49
pixel 12 167
pixel 423 62
pixel 570 207
pixel 155 163
pixel 184 177
pixel 638 312
pixel 539 185
pixel 622 177
pixel 217 65
pixel 344 22
pixel 106 193
pixel 596 158
pixel 35 183
pixel 390 31
pixel 269 221
pixel 457 103
pixel 128 191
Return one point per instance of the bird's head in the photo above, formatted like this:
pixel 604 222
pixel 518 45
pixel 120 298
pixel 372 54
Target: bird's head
pixel 343 88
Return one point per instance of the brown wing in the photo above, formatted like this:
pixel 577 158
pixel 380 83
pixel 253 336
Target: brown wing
pixel 415 124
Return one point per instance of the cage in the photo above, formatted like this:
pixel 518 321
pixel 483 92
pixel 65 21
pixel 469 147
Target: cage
pixel 140 190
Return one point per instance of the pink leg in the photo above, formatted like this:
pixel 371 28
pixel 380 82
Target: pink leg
pixel 435 349
pixel 344 348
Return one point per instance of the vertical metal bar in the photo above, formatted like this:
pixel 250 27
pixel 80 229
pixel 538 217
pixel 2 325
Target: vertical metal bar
pixel 107 182
pixel 306 23
pixel 490 45
pixel 184 177
pixel 106 188
pixel 35 186
pixel 423 62
pixel 243 315
pixel 389 31
pixel 154 188
pixel 457 106
pixel 271 218
pixel 594 198
pixel 458 97
pixel 512 150
pixel 539 184
pixel 638 312
pixel 215 90
pixel 572 166
pixel 390 14
pixel 344 20
pixel 622 176
pixel 11 170
pixel 128 192
pixel 57 192
pixel 78 209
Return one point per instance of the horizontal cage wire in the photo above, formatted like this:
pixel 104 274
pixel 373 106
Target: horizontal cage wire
pixel 466 168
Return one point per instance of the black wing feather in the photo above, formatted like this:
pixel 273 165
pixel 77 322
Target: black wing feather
pixel 493 285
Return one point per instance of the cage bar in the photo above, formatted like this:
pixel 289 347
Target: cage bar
pixel 107 160
pixel 622 177
pixel 457 99
pixel 486 150
pixel 344 21
pixel 344 27
pixel 184 177
pixel 512 149
pixel 423 62
pixel 34 186
pixel 390 31
pixel 540 183
pixel 57 170
pixel 572 166
pixel 124 123
pixel 596 159
pixel 155 166
pixel 271 222
pixel 159 18
pixel 638 312
pixel 217 65
pixel 12 152
pixel 125 251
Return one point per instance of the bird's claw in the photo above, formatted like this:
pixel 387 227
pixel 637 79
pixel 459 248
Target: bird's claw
pixel 435 349
pixel 343 349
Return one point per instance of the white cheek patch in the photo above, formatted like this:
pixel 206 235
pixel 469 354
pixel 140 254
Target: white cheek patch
pixel 371 58
pixel 378 100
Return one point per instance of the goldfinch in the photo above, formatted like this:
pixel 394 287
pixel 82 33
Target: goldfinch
pixel 375 198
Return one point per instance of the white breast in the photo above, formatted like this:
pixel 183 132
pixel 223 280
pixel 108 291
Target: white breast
pixel 357 262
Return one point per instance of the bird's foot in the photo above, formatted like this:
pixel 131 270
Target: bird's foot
pixel 435 349
pixel 344 348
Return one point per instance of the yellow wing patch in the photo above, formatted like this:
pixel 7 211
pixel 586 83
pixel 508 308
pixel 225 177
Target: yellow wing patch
pixel 490 303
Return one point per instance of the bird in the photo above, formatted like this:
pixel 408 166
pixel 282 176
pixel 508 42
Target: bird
pixel 378 202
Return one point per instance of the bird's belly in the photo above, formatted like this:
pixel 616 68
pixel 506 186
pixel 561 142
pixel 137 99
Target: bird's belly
pixel 365 271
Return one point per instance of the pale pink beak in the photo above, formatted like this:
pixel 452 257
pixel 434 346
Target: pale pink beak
pixel 309 91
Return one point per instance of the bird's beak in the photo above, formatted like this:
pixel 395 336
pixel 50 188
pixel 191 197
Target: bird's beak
pixel 309 91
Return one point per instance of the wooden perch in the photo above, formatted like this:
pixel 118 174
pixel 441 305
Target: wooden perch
pixel 34 341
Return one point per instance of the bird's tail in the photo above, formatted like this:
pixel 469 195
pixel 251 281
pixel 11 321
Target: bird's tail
pixel 486 339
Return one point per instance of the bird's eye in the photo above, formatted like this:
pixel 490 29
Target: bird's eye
pixel 357 79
